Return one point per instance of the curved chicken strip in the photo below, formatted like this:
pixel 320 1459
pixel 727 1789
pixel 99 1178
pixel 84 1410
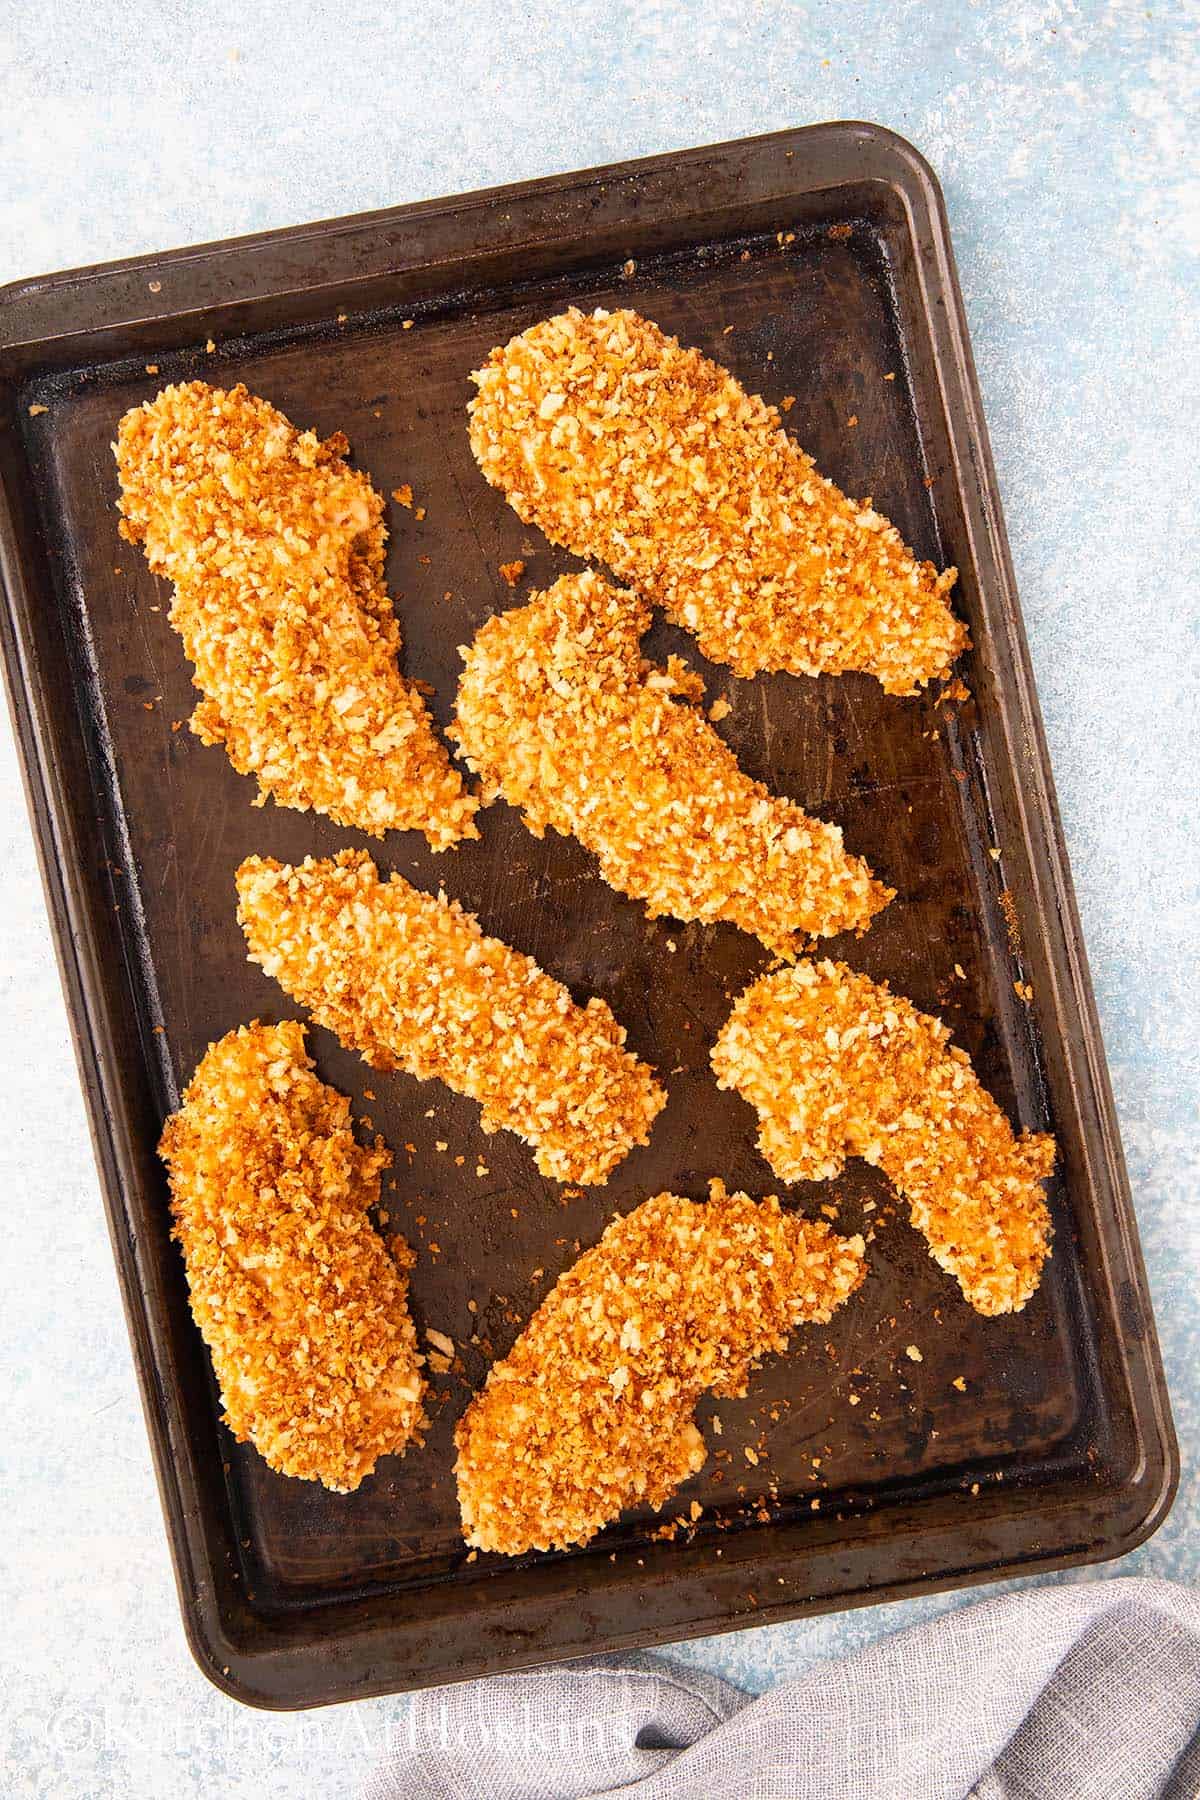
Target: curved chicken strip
pixel 412 983
pixel 837 1065
pixel 557 712
pixel 624 446
pixel 303 1310
pixel 275 547
pixel 592 1409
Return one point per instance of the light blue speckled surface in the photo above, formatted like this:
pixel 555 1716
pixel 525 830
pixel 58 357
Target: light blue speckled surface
pixel 1066 138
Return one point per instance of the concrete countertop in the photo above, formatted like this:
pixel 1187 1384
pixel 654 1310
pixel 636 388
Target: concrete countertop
pixel 1066 139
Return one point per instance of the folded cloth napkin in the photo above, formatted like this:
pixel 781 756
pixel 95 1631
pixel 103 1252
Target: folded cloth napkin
pixel 1063 1693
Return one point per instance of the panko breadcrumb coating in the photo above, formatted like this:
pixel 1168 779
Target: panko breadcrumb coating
pixel 412 983
pixel 558 712
pixel 592 1409
pixel 275 548
pixel 301 1306
pixel 837 1065
pixel 623 446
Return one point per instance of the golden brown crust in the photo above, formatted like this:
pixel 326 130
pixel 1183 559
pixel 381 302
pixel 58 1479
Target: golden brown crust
pixel 275 547
pixel 558 713
pixel 412 983
pixel 837 1065
pixel 591 1410
pixel 624 446
pixel 301 1306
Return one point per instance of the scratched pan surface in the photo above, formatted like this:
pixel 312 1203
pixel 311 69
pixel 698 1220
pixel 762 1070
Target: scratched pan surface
pixel 816 265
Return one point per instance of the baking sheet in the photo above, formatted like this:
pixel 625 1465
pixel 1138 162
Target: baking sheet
pixel 815 264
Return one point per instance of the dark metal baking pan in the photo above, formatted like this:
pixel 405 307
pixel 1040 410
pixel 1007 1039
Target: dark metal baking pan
pixel 815 263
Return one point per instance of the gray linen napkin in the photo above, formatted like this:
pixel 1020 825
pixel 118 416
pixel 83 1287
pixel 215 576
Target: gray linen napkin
pixel 1063 1693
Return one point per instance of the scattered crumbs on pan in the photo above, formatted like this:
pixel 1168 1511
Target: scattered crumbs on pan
pixel 890 377
pixel 629 268
pixel 36 411
pixel 511 572
pixel 787 403
pixel 407 324
pixel 152 368
pixel 852 421
pixel 720 709
pixel 959 972
pixel 959 1383
pixel 994 852
pixel 155 287
pixel 1012 923
pixel 210 346
pixel 913 1353
pixel 839 233
pixel 403 495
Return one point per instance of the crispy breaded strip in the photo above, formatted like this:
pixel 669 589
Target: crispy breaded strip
pixel 275 547
pixel 591 1410
pixel 412 983
pixel 624 446
pixel 301 1306
pixel 557 712
pixel 837 1065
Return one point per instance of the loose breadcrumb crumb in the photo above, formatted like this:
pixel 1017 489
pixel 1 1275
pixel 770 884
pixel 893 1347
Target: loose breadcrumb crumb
pixel 559 714
pixel 302 1308
pixel 836 1064
pixel 411 982
pixel 624 446
pixel 276 550
pixel 591 1411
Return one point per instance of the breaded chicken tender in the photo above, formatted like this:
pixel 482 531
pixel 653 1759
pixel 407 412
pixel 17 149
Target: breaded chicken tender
pixel 559 714
pixel 276 551
pixel 412 983
pixel 303 1310
pixel 623 446
pixel 837 1065
pixel 592 1409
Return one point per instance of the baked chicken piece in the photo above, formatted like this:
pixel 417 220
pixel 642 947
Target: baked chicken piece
pixel 276 549
pixel 304 1311
pixel 558 713
pixel 411 982
pixel 592 1409
pixel 837 1065
pixel 626 447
